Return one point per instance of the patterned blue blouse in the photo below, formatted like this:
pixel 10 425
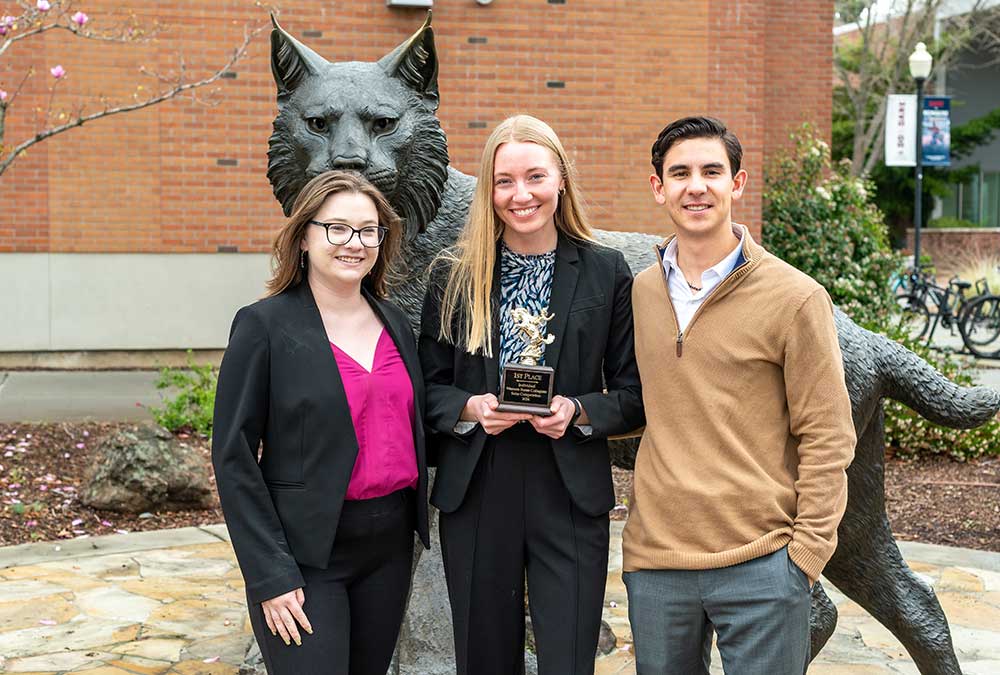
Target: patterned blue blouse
pixel 525 281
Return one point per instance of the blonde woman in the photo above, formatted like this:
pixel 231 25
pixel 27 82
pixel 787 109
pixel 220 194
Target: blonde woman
pixel 324 375
pixel 522 494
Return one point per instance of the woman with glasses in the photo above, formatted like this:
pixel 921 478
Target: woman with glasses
pixel 318 445
pixel 527 496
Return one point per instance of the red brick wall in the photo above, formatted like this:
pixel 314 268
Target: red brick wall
pixel 152 181
pixel 953 249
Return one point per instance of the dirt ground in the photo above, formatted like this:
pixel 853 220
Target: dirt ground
pixel 934 500
pixel 43 466
pixel 42 470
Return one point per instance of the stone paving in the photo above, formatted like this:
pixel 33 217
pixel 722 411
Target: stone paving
pixel 171 603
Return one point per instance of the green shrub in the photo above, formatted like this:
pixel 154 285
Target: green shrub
pixel 824 222
pixel 950 222
pixel 191 408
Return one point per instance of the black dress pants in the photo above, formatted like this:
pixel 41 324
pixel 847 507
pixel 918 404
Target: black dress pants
pixel 518 517
pixel 356 605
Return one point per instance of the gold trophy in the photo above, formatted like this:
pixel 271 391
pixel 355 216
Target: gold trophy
pixel 525 386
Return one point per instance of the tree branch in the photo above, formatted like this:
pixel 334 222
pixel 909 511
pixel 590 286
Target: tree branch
pixel 129 33
pixel 178 88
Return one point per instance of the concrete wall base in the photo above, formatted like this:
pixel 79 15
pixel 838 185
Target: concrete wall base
pixel 73 302
pixel 108 360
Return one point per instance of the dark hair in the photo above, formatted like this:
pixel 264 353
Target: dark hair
pixel 696 127
pixel 285 251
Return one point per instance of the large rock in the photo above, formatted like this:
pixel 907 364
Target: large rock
pixel 145 468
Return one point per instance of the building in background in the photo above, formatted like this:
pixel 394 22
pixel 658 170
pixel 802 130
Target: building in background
pixel 146 231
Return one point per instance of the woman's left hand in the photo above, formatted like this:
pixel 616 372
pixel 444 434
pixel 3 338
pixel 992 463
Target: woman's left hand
pixel 555 425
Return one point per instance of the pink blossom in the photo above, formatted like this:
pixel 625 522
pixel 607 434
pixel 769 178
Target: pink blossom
pixel 31 523
pixel 3 94
pixel 77 521
pixel 79 446
pixel 106 523
pixel 58 72
pixel 6 23
pixel 79 19
pixel 44 5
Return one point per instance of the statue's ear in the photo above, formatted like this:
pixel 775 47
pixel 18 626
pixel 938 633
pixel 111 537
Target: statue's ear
pixel 415 63
pixel 291 61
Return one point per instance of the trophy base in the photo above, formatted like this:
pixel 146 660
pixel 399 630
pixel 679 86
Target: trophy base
pixel 540 410
pixel 526 389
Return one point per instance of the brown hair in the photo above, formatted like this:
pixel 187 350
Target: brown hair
pixel 285 268
pixel 696 127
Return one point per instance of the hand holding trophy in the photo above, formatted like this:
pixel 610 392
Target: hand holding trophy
pixel 525 386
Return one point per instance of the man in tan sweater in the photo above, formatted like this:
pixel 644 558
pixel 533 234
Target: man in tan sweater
pixel 740 477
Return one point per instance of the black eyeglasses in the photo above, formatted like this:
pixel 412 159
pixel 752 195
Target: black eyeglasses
pixel 339 234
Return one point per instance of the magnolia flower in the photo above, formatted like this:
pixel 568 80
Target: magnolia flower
pixel 3 96
pixel 79 19
pixel 58 72
pixel 43 5
pixel 6 23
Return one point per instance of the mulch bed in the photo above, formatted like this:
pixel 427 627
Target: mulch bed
pixel 934 500
pixel 43 466
pixel 42 471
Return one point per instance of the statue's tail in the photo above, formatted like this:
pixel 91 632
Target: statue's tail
pixel 912 381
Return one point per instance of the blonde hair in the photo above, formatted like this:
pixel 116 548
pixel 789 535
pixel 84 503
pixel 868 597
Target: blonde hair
pixel 286 269
pixel 466 318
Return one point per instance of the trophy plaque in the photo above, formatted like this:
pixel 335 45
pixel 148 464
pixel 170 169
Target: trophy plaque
pixel 525 386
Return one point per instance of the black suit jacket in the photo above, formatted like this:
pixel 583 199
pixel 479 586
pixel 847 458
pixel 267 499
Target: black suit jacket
pixel 279 384
pixel 593 349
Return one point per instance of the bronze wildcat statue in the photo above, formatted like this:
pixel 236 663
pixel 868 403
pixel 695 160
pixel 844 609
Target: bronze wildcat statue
pixel 379 119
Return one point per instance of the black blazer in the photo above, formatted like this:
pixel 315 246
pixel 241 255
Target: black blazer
pixel 593 349
pixel 279 384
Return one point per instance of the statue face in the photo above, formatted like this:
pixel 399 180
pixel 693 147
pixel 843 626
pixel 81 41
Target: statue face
pixel 374 118
pixel 351 116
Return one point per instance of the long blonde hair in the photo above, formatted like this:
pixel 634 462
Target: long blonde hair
pixel 466 318
pixel 288 266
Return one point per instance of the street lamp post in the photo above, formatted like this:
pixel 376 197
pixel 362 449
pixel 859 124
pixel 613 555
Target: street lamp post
pixel 920 68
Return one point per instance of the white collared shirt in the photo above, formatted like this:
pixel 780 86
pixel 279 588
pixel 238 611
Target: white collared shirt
pixel 685 299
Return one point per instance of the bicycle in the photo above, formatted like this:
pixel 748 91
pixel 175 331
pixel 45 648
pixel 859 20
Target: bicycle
pixel 980 327
pixel 952 304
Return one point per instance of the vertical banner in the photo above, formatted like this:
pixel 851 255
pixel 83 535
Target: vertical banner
pixel 901 130
pixel 936 132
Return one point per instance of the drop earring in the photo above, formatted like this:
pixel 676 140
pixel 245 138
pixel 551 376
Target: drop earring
pixel 302 259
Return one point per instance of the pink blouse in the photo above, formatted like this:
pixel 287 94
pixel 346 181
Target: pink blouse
pixel 387 460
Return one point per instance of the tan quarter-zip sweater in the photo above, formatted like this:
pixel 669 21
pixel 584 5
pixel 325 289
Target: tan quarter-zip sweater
pixel 748 422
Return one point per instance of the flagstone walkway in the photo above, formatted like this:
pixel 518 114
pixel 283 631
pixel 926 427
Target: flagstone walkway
pixel 171 603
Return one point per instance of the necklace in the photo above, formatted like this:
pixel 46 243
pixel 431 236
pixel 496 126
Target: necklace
pixel 694 288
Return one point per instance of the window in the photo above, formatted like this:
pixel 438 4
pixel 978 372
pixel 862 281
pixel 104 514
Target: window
pixel 991 199
pixel 976 201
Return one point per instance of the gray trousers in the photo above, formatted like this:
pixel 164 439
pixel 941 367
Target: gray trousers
pixel 759 609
